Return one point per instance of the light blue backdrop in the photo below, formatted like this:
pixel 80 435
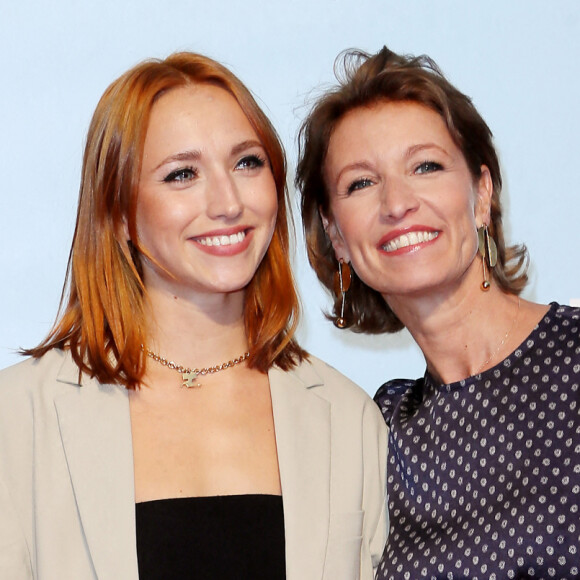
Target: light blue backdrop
pixel 517 59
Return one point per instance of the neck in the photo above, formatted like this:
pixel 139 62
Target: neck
pixel 202 332
pixel 463 333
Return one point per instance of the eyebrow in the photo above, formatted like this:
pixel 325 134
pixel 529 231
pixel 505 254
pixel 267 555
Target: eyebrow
pixel 353 166
pixel 421 146
pixel 181 156
pixel 195 154
pixel 245 145
pixel 408 153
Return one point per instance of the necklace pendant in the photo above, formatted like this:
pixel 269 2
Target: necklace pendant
pixel 189 377
pixel 189 380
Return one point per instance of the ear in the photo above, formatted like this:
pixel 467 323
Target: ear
pixel 484 194
pixel 336 239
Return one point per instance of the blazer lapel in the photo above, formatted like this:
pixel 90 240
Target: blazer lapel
pixel 95 428
pixel 302 423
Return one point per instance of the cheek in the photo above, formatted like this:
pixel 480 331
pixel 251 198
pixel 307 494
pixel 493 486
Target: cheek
pixel 471 225
pixel 272 207
pixel 351 223
pixel 266 204
pixel 468 231
pixel 459 209
pixel 154 217
pixel 272 220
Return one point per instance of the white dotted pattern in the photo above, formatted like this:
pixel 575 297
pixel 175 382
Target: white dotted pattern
pixel 484 474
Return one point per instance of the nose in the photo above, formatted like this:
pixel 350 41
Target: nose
pixel 223 197
pixel 397 199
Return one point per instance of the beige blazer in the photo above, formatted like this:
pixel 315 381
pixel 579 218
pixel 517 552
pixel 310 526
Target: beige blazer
pixel 67 506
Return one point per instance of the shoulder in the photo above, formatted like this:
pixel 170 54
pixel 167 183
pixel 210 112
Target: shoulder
pixel 559 327
pixel 28 419
pixel 331 383
pixel 31 387
pixel 395 388
pixel 565 318
pixel 560 317
pixel 28 390
pixel 29 367
pixel 392 393
pixel 26 377
pixel 316 378
pixel 564 312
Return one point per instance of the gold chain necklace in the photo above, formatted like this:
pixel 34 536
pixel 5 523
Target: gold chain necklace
pixel 189 376
pixel 494 353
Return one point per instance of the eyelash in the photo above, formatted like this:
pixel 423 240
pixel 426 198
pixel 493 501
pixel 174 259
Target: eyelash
pixel 250 162
pixel 184 174
pixel 422 169
pixel 181 175
pixel 359 184
pixel 428 167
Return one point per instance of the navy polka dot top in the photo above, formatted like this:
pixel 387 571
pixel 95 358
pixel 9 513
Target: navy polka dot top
pixel 484 474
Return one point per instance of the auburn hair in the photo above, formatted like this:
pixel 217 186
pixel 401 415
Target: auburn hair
pixel 363 81
pixel 101 318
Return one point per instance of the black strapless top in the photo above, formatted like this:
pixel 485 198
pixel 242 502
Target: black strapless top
pixel 211 538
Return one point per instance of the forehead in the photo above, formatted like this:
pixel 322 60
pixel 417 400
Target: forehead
pixel 401 121
pixel 193 101
pixel 200 117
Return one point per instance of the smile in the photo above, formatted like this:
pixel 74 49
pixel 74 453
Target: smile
pixel 222 240
pixel 408 239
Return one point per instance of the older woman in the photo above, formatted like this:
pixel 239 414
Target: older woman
pixel 170 426
pixel 401 181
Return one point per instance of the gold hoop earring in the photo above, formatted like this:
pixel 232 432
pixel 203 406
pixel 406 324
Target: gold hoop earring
pixel 488 252
pixel 342 279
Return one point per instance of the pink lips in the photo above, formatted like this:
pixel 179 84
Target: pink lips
pixel 407 240
pixel 224 242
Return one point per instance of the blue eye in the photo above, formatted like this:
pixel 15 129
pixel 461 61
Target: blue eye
pixel 359 184
pixel 181 175
pixel 428 167
pixel 250 162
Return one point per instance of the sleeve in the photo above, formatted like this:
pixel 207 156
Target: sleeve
pixel 390 394
pixel 375 436
pixel 15 560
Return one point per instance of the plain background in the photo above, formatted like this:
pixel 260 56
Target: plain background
pixel 517 59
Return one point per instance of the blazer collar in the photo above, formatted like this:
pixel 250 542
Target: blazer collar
pixel 302 423
pixel 95 428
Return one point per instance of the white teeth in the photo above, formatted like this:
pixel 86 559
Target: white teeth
pixel 409 239
pixel 222 240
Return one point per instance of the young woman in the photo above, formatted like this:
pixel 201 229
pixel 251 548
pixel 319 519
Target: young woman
pixel 170 426
pixel 400 179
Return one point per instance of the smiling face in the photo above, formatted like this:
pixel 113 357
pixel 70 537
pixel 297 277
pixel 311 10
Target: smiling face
pixel 207 203
pixel 404 207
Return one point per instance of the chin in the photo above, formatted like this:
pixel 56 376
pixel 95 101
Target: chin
pixel 411 290
pixel 230 286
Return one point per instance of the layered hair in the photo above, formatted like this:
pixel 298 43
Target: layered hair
pixel 102 314
pixel 363 81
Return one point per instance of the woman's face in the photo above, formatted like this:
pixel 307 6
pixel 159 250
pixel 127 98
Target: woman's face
pixel 404 206
pixel 207 203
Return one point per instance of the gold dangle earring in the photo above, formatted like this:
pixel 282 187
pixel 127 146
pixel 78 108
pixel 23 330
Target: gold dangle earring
pixel 342 280
pixel 488 252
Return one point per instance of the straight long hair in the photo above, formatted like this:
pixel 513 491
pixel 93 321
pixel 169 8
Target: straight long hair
pixel 102 319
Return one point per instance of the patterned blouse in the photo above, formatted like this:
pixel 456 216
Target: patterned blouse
pixel 484 473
